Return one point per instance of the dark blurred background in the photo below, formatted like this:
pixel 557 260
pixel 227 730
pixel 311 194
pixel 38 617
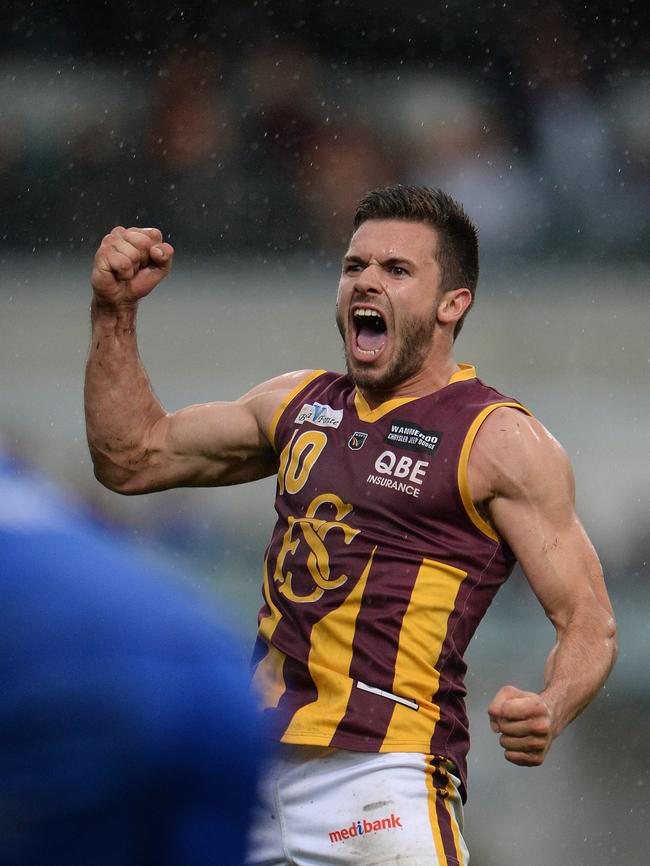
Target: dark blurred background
pixel 247 131
pixel 257 125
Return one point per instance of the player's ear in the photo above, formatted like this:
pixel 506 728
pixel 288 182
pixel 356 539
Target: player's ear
pixel 454 304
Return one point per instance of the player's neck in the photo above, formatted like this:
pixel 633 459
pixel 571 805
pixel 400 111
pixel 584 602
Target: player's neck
pixel 426 381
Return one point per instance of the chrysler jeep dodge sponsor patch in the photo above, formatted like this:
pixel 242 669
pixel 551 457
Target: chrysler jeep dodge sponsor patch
pixel 406 434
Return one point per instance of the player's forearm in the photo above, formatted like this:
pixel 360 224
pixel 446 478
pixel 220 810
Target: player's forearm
pixel 120 405
pixel 579 664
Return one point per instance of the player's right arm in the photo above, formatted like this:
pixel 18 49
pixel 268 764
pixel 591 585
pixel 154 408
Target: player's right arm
pixel 136 446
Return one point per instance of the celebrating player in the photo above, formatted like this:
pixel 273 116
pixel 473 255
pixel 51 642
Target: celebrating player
pixel 406 490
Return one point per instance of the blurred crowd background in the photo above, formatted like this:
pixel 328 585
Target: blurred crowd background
pixel 257 125
pixel 247 131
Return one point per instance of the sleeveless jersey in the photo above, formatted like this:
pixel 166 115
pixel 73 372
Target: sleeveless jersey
pixel 379 568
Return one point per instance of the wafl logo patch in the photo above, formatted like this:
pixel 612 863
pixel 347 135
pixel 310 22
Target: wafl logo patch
pixel 357 441
pixel 320 414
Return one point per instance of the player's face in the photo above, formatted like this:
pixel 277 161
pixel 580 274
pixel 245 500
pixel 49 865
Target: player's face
pixel 387 302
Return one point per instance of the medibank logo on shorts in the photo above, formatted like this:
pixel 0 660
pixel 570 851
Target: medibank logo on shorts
pixel 362 827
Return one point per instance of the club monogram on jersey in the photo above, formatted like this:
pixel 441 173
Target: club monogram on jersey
pixel 379 568
pixel 312 531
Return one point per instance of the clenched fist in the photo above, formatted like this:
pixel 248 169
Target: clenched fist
pixel 525 723
pixel 129 264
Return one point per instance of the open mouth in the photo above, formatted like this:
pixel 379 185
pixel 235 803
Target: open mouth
pixel 370 332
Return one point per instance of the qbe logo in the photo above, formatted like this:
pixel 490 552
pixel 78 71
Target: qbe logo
pixel 403 474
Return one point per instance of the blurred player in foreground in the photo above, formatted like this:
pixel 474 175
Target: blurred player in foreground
pixel 127 733
pixel 406 489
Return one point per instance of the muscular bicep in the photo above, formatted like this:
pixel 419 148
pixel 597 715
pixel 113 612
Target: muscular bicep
pixel 213 444
pixel 551 546
pixel 528 494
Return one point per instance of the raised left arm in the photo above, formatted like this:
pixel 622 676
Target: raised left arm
pixel 523 483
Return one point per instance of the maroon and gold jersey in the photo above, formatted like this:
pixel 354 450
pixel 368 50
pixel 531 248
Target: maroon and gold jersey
pixel 379 569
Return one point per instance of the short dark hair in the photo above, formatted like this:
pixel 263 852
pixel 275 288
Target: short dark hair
pixel 458 249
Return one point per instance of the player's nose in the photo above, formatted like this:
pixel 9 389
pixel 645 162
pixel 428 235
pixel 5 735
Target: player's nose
pixel 368 281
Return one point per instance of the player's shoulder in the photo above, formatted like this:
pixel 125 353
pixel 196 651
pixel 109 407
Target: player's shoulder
pixel 280 388
pixel 268 400
pixel 511 426
pixel 514 449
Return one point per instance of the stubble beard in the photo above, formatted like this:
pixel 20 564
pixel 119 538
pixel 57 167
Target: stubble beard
pixel 413 345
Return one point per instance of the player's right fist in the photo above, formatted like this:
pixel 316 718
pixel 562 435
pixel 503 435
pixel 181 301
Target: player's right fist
pixel 129 264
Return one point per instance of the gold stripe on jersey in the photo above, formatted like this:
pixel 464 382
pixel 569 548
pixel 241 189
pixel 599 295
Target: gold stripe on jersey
pixel 467 371
pixel 463 482
pixel 369 415
pixel 422 635
pixel 329 663
pixel 293 393
pixel 268 678
pixel 365 413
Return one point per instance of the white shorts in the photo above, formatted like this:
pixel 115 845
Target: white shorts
pixel 329 807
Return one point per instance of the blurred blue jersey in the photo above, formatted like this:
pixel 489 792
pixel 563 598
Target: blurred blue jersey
pixel 127 733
